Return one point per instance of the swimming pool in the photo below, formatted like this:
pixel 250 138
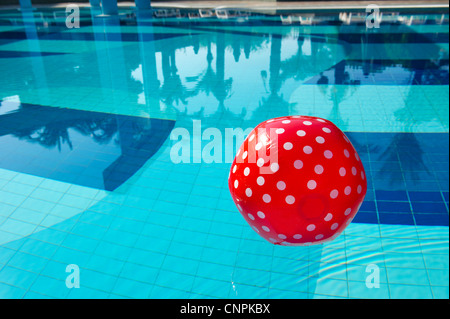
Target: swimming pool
pixel 87 178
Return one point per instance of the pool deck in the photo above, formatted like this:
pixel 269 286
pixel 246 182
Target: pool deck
pixel 272 5
pixel 293 5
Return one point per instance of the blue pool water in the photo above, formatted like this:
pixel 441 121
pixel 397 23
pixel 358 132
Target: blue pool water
pixel 87 177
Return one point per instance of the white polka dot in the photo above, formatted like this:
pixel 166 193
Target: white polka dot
pixel 260 180
pixel 342 171
pixel 244 155
pixel 357 156
pixel 346 138
pixel 269 121
pixel 297 236
pixel 273 240
pixel 261 215
pixel 288 146
pixel 260 162
pixel 258 146
pixel 354 171
pixel 318 169
pixel 248 192
pixel 346 153
pixel 236 183
pixel 347 211
pixel 246 171
pixel 266 198
pixel 266 229
pixel 328 217
pixel 347 190
pixel 286 122
pixel 256 229
pixel 362 175
pixel 234 168
pixel 290 199
pixel 334 193
pixel 334 226
pixel 274 167
pixel 251 216
pixel 279 130
pixel 312 184
pixel 301 133
pixel 326 130
pixel 328 154
pixel 307 149
pixel 359 189
pixel 298 164
pixel 281 185
pixel 318 237
pixel 281 236
pixel 307 123
pixel 251 137
pixel 320 140
pixel 239 207
pixel 311 227
pixel 320 120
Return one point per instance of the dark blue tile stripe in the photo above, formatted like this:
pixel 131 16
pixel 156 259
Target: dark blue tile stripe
pixel 25 54
pixel 395 37
pixel 89 36
pixel 404 190
pixel 93 149
pixel 385 72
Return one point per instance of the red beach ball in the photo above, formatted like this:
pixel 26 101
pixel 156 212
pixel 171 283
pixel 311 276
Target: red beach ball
pixel 297 180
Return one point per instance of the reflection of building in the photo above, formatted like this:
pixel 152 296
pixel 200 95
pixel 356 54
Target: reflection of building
pixel 224 60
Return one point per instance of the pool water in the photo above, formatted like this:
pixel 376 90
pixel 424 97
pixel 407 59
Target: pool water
pixel 87 177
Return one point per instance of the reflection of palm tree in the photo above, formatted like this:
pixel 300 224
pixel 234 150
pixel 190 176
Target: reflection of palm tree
pixel 236 45
pixel 138 138
pixel 264 80
pixel 247 48
pixel 195 43
pixel 414 152
pixel 210 81
pixel 411 166
pixel 172 90
pixel 301 66
pixel 48 136
pixel 101 130
pixel 49 126
pixel 342 89
pixel 407 115
pixel 274 101
pixel 313 54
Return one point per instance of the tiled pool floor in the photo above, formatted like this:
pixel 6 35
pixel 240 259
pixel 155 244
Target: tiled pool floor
pixel 86 176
